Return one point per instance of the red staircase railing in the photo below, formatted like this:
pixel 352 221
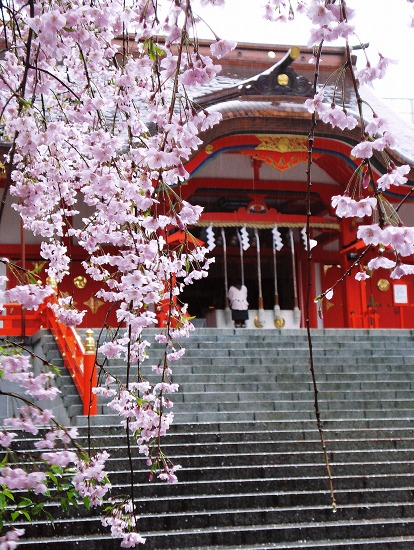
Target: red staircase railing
pixel 78 359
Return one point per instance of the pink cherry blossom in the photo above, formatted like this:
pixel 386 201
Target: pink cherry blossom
pixel 399 238
pixel 60 458
pixel 401 270
pixel 363 150
pixel 316 104
pixel 362 276
pixel 381 261
pixel 6 438
pixel 30 296
pixel 346 207
pixel 222 47
pixel 10 540
pixel 376 126
pixel 371 234
pixel 394 176
pixel 337 117
pixel 66 313
pixel 369 73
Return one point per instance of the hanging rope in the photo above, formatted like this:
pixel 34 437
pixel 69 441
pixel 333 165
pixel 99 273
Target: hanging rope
pixel 226 283
pixel 277 245
pixel 259 270
pixel 292 249
pixel 275 278
pixel 241 257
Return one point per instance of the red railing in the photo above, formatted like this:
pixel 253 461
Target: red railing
pixel 18 322
pixel 78 359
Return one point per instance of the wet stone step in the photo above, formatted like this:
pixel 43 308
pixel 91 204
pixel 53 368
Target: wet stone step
pixel 253 472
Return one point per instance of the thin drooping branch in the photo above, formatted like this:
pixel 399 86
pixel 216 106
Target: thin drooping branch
pixel 311 139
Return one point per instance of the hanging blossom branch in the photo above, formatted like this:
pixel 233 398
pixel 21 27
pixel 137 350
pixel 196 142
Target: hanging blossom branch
pixel 61 469
pixel 332 20
pixel 98 141
pixel 363 196
pixel 311 139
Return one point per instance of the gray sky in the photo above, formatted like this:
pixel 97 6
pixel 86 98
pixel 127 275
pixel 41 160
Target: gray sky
pixel 384 27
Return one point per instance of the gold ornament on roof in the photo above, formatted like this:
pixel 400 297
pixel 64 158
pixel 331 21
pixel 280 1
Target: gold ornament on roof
pixel 282 79
pixel 281 143
pixel 294 52
pixel 209 149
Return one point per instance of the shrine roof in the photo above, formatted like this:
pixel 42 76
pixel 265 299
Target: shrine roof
pixel 241 91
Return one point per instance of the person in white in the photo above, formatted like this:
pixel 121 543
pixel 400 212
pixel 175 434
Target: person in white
pixel 238 304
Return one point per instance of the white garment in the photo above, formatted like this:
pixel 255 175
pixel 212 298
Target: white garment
pixel 238 298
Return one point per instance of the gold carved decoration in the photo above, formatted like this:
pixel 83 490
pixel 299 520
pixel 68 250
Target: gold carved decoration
pixel 209 149
pixel 279 322
pixel 383 285
pixel 278 160
pixel 80 281
pixel 280 151
pixel 93 304
pixel 282 143
pixel 328 305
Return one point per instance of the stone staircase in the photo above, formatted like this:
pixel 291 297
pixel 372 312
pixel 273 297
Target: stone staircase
pixel 253 472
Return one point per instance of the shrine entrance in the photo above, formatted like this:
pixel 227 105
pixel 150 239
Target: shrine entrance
pixel 209 294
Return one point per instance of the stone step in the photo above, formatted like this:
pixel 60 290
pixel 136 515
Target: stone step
pixel 103 436
pixel 275 449
pixel 266 356
pixel 105 543
pixel 244 536
pixel 293 381
pixel 238 518
pixel 253 472
pixel 100 424
pixel 241 416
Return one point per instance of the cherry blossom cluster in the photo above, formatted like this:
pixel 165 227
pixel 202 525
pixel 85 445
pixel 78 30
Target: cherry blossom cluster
pixel 30 296
pixel 99 116
pixel 57 446
pixel 10 540
pixel 66 313
pixel 90 479
pixel 363 196
pixel 123 524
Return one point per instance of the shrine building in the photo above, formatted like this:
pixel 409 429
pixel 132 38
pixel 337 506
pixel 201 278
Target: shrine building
pixel 250 177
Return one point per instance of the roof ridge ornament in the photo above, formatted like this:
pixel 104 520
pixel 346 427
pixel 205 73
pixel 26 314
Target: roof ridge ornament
pixel 280 79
